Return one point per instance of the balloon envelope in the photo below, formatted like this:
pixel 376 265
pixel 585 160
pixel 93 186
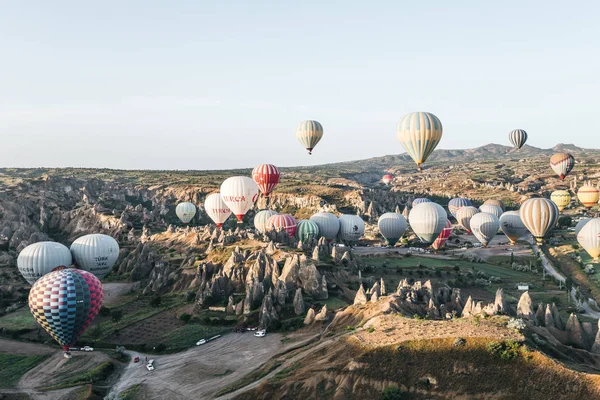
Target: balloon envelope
pixel 419 133
pixel 427 221
pixel 562 164
pixel 392 226
pixel 512 226
pixel 185 211
pixel 285 221
pixel 455 204
pixel 539 216
pixel 588 196
pixel 95 253
pixel 216 209
pixel 485 226
pixel 580 225
pixel 443 237
pixel 420 200
pixel 491 209
pixel 309 133
pixel 329 224
pixel 239 193
pixel 307 230
pixel 65 302
pixel 352 227
pixel 589 238
pixel 464 215
pixel 261 218
pixel 517 137
pixel 387 179
pixel 495 202
pixel 266 177
pixel 38 259
pixel 561 198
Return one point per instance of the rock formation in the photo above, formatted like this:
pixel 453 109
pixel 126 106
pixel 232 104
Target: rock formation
pixel 525 307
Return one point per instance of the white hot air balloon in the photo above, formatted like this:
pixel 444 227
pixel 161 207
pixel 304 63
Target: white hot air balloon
pixel 491 209
pixel 589 238
pixel 464 215
pixel 580 225
pixel 352 227
pixel 185 211
pixel 38 259
pixel 512 226
pixel 239 193
pixel 216 209
pixel 427 221
pixel 95 253
pixel 484 226
pixel 392 226
pixel 329 224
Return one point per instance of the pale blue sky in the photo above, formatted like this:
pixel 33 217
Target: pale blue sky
pixel 206 85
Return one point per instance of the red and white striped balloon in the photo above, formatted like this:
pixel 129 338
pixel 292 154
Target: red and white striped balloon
pixel 266 177
pixel 441 240
pixel 285 221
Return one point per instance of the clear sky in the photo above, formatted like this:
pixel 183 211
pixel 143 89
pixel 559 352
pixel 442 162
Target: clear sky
pixel 223 84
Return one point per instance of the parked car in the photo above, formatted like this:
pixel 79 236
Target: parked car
pixel 260 333
pixel 136 359
pixel 87 348
pixel 150 367
pixel 67 355
pixel 251 328
pixel 201 341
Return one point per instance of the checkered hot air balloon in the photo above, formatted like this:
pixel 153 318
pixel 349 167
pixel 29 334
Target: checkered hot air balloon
pixel 65 302
pixel 266 177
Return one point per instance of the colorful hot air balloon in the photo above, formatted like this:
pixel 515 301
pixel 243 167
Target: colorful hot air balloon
pixel 589 238
pixel 65 302
pixel 491 209
pixel 307 230
pixel 484 227
pixel 387 179
pixel 38 259
pixel 517 137
pixel 444 235
pixel 239 193
pixel 419 133
pixel 285 221
pixel 464 215
pixel 580 225
pixel 261 218
pixel 420 200
pixel 562 164
pixel 392 226
pixel 329 224
pixel 95 253
pixel 352 227
pixel 455 204
pixel 588 196
pixel 427 221
pixel 185 211
pixel 561 198
pixel 216 209
pixel 309 133
pixel 512 226
pixel 266 177
pixel 495 202
pixel 539 216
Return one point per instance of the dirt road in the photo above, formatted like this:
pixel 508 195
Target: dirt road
pixel 25 348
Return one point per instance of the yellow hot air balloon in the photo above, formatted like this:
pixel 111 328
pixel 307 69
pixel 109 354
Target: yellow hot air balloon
pixel 419 133
pixel 561 198
pixel 588 195
pixel 309 133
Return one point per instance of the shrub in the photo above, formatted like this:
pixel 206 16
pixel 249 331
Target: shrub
pixel 185 317
pixel 104 311
pixel 155 301
pixel 117 315
pixel 394 393
pixel 371 329
pixel 506 350
pixel 516 323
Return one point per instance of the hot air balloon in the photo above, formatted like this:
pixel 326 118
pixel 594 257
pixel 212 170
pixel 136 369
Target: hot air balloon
pixel 352 227
pixel 512 226
pixel 517 137
pixel 307 230
pixel 392 226
pixel 329 224
pixel 65 302
pixel 309 133
pixel 464 215
pixel 539 216
pixel 95 253
pixel 589 238
pixel 491 209
pixel 419 133
pixel 588 196
pixel 239 193
pixel 562 164
pixel 266 177
pixel 561 198
pixel 285 221
pixel 420 200
pixel 216 209
pixel 387 179
pixel 443 237
pixel 455 204
pixel 484 226
pixel 261 218
pixel 495 202
pixel 427 221
pixel 38 259
pixel 580 225
pixel 185 211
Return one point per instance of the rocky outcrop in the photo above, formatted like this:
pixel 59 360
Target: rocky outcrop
pixel 575 332
pixel 298 272
pixel 322 315
pixel 596 345
pixel 310 317
pixel 299 302
pixel 525 307
pixel 361 296
pixel 500 304
pixel 268 314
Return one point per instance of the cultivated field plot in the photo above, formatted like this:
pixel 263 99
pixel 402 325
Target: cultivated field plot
pixel 148 331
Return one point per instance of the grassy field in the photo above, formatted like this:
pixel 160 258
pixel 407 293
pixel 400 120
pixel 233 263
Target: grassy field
pixel 187 335
pixel 13 367
pixel 20 319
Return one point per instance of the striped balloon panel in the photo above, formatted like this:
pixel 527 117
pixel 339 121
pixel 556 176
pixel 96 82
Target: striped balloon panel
pixel 512 226
pixel 38 259
pixel 589 238
pixel 518 137
pixel 539 216
pixel 580 225
pixel 352 227
pixel 491 209
pixel 266 177
pixel 444 235
pixel 185 211
pixel 420 200
pixel 419 133
pixel 495 202
pixel 392 226
pixel 455 204
pixel 562 164
pixel 329 224
pixel 561 198
pixel 427 220
pixel 588 196
pixel 307 230
pixel 285 221
pixel 65 302
pixel 95 253
pixel 309 133
pixel 216 208
pixel 485 226
pixel 261 218
pixel 464 215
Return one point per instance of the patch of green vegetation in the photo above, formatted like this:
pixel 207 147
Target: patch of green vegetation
pixel 225 373
pixel 506 350
pixel 20 319
pixel 99 373
pixel 14 366
pixel 334 303
pixel 286 372
pixel 131 393
pixel 395 393
pixel 187 335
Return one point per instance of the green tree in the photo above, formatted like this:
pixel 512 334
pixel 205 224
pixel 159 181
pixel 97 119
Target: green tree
pixel 155 301
pixel 96 332
pixel 116 315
